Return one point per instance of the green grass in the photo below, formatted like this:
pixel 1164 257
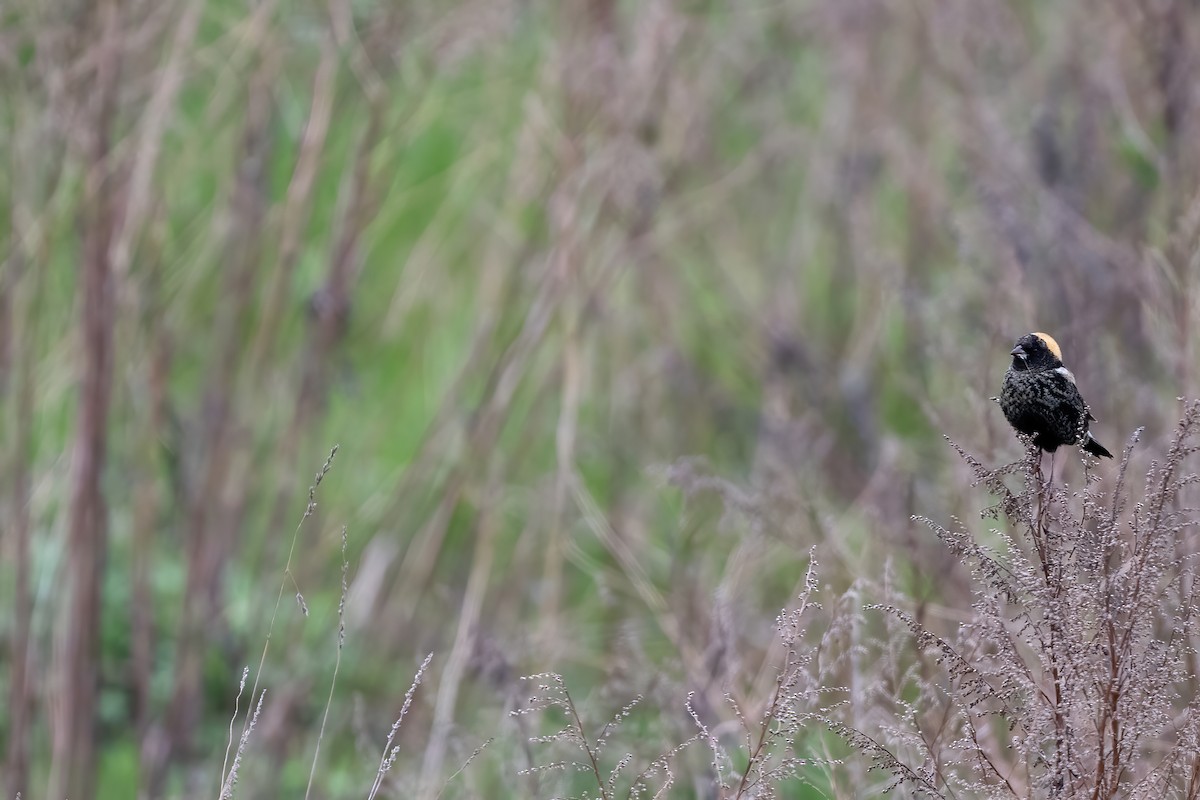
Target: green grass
pixel 482 194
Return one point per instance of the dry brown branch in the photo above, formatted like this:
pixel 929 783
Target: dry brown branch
pixel 211 509
pixel 77 643
pixel 25 287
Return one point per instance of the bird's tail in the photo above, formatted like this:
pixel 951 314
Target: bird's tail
pixel 1095 448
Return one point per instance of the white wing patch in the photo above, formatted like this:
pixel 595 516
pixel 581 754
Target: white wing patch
pixel 1066 373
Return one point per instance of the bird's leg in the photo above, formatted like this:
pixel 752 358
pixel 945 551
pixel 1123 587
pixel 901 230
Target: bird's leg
pixel 1050 480
pixel 1039 487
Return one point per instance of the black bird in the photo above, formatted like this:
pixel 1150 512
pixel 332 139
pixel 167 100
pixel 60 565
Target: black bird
pixel 1040 397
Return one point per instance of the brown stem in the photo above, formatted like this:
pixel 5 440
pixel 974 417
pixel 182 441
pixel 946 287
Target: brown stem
pixel 77 647
pixel 20 694
pixel 586 747
pixel 146 518
pixel 209 540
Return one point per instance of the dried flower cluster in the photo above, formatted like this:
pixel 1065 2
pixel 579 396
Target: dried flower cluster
pixel 750 758
pixel 1075 675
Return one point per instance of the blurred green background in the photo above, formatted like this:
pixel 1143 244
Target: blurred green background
pixel 614 309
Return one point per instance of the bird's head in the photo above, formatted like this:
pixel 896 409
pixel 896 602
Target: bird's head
pixel 1036 351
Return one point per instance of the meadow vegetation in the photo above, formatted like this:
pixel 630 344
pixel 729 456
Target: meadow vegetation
pixel 639 328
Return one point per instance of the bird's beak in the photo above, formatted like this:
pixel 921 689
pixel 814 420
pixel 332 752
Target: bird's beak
pixel 1019 352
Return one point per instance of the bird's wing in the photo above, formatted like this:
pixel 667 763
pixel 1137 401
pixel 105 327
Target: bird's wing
pixel 1069 397
pixel 1063 372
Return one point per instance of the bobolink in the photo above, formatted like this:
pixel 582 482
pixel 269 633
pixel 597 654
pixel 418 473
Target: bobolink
pixel 1040 397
